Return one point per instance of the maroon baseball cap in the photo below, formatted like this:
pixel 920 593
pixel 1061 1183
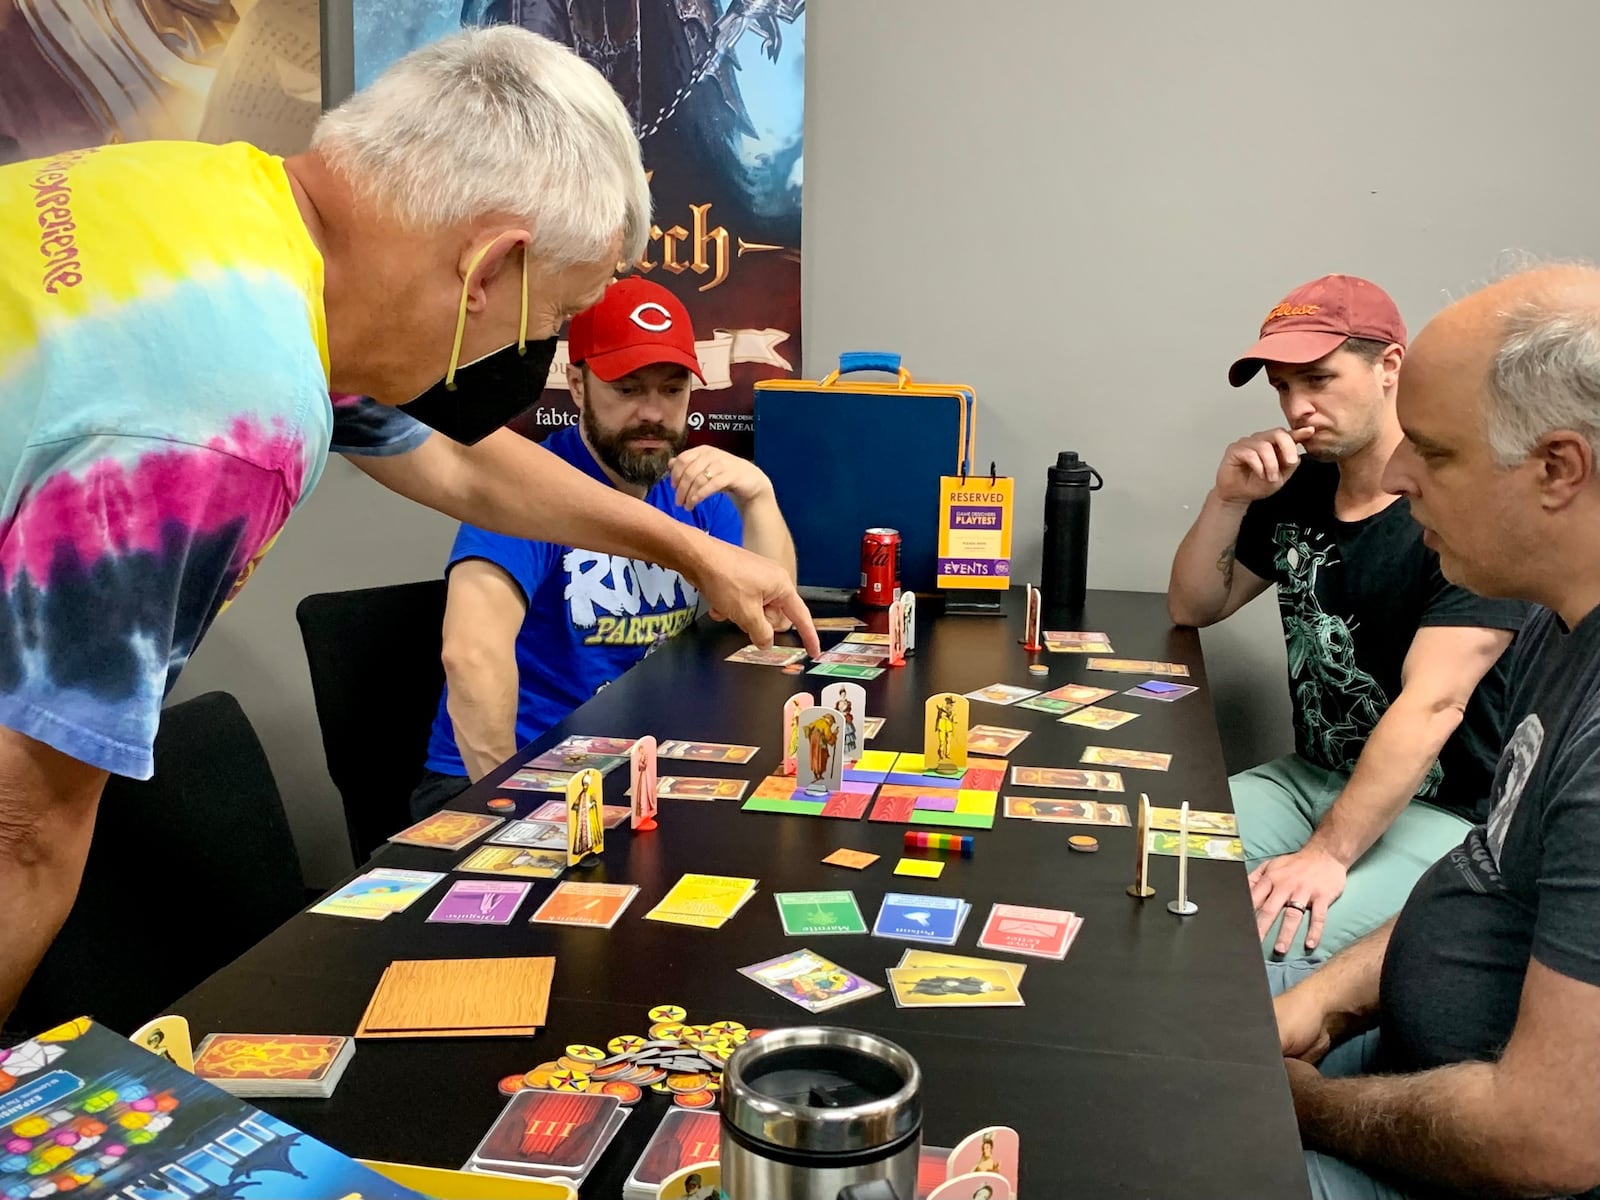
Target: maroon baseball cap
pixel 635 324
pixel 1315 319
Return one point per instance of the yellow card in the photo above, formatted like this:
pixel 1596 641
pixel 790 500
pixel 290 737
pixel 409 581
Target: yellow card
pixel 935 958
pixel 953 987
pixel 168 1037
pixel 922 868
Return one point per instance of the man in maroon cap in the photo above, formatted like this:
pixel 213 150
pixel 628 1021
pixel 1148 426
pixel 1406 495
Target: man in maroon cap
pixel 533 629
pixel 1394 673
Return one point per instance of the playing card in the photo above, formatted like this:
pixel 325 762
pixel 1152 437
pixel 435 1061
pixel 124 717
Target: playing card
pixel 1137 760
pixel 772 656
pixel 536 780
pixel 1046 704
pixel 856 860
pixel 684 1136
pixel 871 659
pixel 867 639
pixel 1079 693
pixel 583 743
pixel 846 623
pixel 913 918
pixel 994 739
pixel 1137 666
pixel 809 980
pixel 1056 777
pixel 1166 693
pixel 377 893
pixel 446 830
pixel 1068 812
pixel 1041 932
pixel 1095 717
pixel 594 904
pixel 811 913
pixel 694 787
pixel 550 1133
pixel 840 670
pixel 479 902
pixel 1061 641
pixel 943 958
pixel 1199 822
pixel 536 835
pixel 1002 693
pixel 920 868
pixel 514 860
pixel 569 762
pixel 703 900
pixel 707 752
pixel 953 987
pixel 232 1058
pixel 1201 845
pixel 870 727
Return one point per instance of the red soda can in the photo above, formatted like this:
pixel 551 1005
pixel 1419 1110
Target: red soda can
pixel 880 567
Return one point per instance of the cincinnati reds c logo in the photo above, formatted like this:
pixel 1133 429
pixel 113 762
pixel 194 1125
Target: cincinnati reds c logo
pixel 664 323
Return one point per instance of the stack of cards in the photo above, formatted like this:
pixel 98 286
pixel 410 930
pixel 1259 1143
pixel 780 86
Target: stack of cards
pixel 1137 666
pixel 811 981
pixel 1063 641
pixel 255 1066
pixel 376 894
pixel 1156 689
pixel 598 905
pixel 704 901
pixel 1041 932
pixel 479 902
pixel 446 830
pixel 927 979
pixel 549 1134
pixel 934 920
pixel 683 1137
pixel 806 914
pixel 533 835
pixel 718 752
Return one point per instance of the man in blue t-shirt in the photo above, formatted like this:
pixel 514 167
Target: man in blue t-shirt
pixel 533 629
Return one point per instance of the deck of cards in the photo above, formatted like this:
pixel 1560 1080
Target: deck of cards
pixel 544 1134
pixel 934 920
pixel 257 1066
pixel 378 893
pixel 704 901
pixel 811 981
pixel 1040 932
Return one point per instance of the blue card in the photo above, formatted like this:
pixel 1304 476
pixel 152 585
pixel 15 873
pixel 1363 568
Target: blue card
pixel 1158 685
pixel 911 918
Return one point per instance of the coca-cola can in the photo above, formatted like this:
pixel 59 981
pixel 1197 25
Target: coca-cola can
pixel 880 567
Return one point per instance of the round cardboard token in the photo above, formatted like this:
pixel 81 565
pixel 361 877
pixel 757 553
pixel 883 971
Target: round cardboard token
pixel 691 1032
pixel 627 1093
pixel 537 1078
pixel 793 668
pixel 569 1081
pixel 625 1043
pixel 667 1012
pixel 688 1081
pixel 661 1088
pixel 724 1028
pixel 611 1070
pixel 1038 669
pixel 503 804
pixel 511 1084
pixel 1083 844
pixel 752 1034
pixel 588 1054
pixel 568 1063
pixel 701 1098
pixel 651 1078
pixel 665 1031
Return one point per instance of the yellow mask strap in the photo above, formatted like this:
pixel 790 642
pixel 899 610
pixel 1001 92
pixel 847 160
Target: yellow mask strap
pixel 461 315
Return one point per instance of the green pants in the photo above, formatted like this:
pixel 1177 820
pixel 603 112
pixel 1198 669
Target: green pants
pixel 1280 802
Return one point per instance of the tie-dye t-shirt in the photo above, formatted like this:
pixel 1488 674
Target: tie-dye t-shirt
pixel 163 409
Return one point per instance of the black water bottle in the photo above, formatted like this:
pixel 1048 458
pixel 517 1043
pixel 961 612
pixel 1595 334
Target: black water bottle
pixel 1064 577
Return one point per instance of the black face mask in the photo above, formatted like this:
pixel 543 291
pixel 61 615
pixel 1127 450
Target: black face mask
pixel 475 399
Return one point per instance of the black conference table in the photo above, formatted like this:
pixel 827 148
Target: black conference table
pixel 1145 1064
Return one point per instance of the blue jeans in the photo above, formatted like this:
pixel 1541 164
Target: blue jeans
pixel 1333 1178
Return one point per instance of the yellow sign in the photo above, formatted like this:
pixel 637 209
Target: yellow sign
pixel 975 532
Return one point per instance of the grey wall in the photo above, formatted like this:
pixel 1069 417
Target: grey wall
pixel 1084 209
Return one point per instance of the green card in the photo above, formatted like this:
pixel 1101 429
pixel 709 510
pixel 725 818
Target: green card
pixel 807 913
pixel 846 670
pixel 1047 704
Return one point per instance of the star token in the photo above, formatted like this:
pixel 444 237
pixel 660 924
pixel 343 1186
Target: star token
pixel 724 1028
pixel 588 1054
pixel 665 1031
pixel 569 1081
pixel 667 1012
pixel 625 1043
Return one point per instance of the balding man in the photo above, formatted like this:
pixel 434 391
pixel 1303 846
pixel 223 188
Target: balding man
pixel 1459 1044
pixel 173 317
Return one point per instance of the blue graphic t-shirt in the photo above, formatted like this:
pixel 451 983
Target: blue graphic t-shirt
pixel 590 616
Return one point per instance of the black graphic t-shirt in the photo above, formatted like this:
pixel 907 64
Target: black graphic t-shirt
pixel 1352 595
pixel 1526 884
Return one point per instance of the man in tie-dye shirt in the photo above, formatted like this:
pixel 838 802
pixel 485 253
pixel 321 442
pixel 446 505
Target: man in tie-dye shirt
pixel 173 317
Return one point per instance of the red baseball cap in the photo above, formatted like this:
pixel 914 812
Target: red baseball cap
pixel 635 324
pixel 1316 318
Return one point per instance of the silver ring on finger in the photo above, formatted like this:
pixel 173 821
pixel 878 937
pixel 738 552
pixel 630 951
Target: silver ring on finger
pixel 1297 905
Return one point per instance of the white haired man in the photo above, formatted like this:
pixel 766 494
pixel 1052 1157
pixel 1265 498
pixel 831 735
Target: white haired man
pixel 173 317
pixel 1459 1044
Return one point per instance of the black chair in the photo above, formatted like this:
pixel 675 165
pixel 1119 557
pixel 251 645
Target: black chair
pixel 376 675
pixel 186 872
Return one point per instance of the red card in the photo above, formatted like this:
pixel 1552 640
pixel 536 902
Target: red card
pixel 1017 929
pixel 849 805
pixel 895 803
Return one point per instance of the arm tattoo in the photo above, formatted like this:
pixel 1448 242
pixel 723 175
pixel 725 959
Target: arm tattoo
pixel 1225 565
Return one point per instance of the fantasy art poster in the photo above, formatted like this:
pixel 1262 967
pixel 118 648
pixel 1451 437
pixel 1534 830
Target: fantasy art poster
pixel 716 90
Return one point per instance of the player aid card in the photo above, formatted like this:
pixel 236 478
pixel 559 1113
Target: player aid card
pixel 535 835
pixel 1199 822
pixel 1137 666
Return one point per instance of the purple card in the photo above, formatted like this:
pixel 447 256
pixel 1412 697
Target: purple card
pixel 480 902
pixel 1159 685
pixel 944 803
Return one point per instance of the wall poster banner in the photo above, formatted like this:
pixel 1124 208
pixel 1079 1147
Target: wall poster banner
pixel 716 89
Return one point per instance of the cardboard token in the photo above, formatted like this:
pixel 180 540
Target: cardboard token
pixel 567 1063
pixel 537 1078
pixel 588 1054
pixel 568 1081
pixel 752 1034
pixel 666 1030
pixel 616 1070
pixel 503 804
pixel 512 1084
pixel 691 1032
pixel 652 1077
pixel 662 1088
pixel 626 1093
pixel 625 1043
pixel 667 1012
pixel 1083 844
pixel 793 668
pixel 687 1081
pixel 1038 669
pixel 724 1028
pixel 701 1098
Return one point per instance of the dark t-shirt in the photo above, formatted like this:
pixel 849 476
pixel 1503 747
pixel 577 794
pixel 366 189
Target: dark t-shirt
pixel 1527 883
pixel 1352 595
